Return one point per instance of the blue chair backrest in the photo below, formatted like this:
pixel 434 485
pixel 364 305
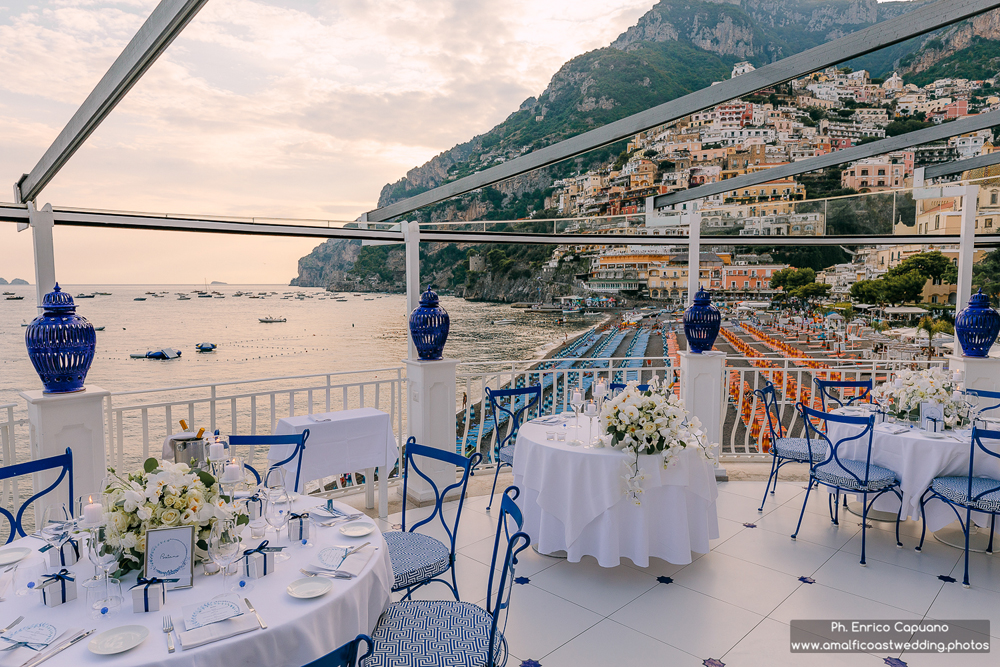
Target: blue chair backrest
pixel 988 400
pixel 616 387
pixel 61 462
pixel 297 439
pixel 517 541
pixel 824 387
pixel 346 655
pixel 514 413
pixel 978 435
pixel 452 459
pixel 769 398
pixel 864 435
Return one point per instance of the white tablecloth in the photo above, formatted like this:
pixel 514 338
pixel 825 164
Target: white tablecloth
pixel 573 500
pixel 341 442
pixel 299 631
pixel 917 460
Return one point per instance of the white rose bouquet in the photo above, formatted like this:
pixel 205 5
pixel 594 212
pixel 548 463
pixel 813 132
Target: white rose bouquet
pixel 162 494
pixel 903 396
pixel 651 422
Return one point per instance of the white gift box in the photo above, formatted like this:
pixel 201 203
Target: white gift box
pixel 68 553
pixel 148 597
pixel 255 507
pixel 57 591
pixel 258 564
pixel 298 527
pixel 931 416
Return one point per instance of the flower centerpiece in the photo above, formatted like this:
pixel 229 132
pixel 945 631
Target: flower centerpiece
pixel 652 422
pixel 162 494
pixel 903 396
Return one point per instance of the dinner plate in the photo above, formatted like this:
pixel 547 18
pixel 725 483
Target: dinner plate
pixel 935 436
pixel 357 528
pixel 11 556
pixel 309 587
pixel 118 640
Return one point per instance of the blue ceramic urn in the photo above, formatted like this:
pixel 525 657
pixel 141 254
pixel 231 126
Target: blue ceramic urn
pixel 977 326
pixel 429 326
pixel 701 323
pixel 60 344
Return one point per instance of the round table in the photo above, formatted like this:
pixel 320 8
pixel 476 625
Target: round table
pixel 298 632
pixel 917 458
pixel 573 500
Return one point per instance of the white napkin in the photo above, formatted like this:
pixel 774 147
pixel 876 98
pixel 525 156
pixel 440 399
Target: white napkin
pixel 893 428
pixel 5 581
pixel 216 631
pixel 21 655
pixel 354 563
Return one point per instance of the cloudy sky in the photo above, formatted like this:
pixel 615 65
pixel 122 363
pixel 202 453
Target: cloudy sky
pixel 283 108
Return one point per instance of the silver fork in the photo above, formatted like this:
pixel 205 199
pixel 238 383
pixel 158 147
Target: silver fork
pixel 168 627
pixel 16 621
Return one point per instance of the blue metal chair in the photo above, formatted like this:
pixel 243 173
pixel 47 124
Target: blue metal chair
pixel 784 450
pixel 847 475
pixel 616 387
pixel 346 655
pixel 61 462
pixel 297 439
pixel 442 632
pixel 418 559
pixel 823 387
pixel 971 493
pixel 511 414
pixel 987 400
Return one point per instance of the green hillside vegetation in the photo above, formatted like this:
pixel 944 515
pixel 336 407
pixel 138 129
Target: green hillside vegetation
pixel 980 60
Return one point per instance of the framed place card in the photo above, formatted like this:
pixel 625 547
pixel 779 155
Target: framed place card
pixel 170 555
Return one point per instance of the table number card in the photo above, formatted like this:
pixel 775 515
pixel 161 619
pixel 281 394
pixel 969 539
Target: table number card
pixel 170 555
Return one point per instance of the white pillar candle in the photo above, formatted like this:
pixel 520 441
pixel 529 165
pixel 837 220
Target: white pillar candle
pixel 578 396
pixel 600 390
pixel 957 396
pixel 231 473
pixel 957 376
pixel 93 512
pixel 217 451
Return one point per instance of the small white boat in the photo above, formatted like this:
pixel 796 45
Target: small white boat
pixel 272 320
pixel 499 322
pixel 570 311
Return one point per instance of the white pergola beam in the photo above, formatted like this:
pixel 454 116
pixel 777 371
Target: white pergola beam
pixel 917 22
pixel 163 25
pixel 957 167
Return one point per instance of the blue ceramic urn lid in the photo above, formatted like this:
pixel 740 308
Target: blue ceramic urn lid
pixel 702 298
pixel 58 301
pixel 979 300
pixel 429 299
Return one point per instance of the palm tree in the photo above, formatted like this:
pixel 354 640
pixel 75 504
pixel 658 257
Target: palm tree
pixel 932 326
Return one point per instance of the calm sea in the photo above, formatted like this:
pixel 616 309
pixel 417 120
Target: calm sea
pixel 321 334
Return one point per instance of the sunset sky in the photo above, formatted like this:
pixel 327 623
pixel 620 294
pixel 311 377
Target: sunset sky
pixel 285 108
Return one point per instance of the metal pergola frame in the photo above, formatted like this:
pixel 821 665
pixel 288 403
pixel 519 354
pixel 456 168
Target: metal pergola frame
pixel 170 17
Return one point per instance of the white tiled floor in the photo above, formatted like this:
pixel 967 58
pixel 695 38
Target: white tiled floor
pixel 733 604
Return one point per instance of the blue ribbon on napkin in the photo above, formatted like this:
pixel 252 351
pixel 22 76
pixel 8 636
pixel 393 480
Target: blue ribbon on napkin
pixel 151 581
pixel 62 576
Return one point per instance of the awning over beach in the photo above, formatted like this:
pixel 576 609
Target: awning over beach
pixel 905 310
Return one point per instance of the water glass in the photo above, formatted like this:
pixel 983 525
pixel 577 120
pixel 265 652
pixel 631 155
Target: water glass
pixel 277 509
pixel 224 547
pixel 29 575
pixel 55 524
pixel 104 597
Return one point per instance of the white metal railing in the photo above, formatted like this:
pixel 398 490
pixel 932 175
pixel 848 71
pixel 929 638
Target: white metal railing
pixel 744 422
pixel 474 421
pixel 13 493
pixel 138 421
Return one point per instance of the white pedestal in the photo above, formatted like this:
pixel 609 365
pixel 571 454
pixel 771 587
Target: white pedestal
pixel 58 421
pixel 703 392
pixel 431 420
pixel 980 372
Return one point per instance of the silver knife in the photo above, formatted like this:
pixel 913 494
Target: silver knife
pixel 263 625
pixel 37 660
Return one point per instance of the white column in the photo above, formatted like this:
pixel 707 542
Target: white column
pixel 980 372
pixel 430 410
pixel 58 421
pixel 703 393
pixel 45 262
pixel 694 252
pixel 966 247
pixel 411 236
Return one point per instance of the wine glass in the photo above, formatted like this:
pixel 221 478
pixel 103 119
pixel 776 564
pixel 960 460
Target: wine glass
pixel 55 524
pixel 277 509
pixel 104 550
pixel 224 548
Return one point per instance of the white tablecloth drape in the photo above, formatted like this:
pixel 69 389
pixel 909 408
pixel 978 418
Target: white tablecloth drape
pixel 299 631
pixel 917 460
pixel 574 500
pixel 339 442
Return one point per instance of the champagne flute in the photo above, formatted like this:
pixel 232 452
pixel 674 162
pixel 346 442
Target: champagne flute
pixel 590 410
pixel 576 400
pixel 224 548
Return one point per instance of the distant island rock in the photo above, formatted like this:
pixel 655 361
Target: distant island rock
pixel 3 282
pixel 19 281
pixel 218 282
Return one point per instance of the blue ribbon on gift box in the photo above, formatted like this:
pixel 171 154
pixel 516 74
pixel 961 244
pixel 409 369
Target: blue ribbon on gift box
pixel 255 498
pixel 151 581
pixel 302 522
pixel 76 551
pixel 62 576
pixel 261 549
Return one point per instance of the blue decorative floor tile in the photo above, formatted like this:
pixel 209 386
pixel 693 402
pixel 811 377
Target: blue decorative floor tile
pixel 665 580
pixel 894 662
pixel 947 579
pixel 712 662
pixel 522 580
pixel 530 663
pixel 807 580
pixel 749 525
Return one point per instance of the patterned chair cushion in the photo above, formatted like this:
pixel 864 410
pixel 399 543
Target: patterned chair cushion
pixel 956 489
pixel 415 557
pixel 878 477
pixel 507 454
pixel 434 632
pixel 797 449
